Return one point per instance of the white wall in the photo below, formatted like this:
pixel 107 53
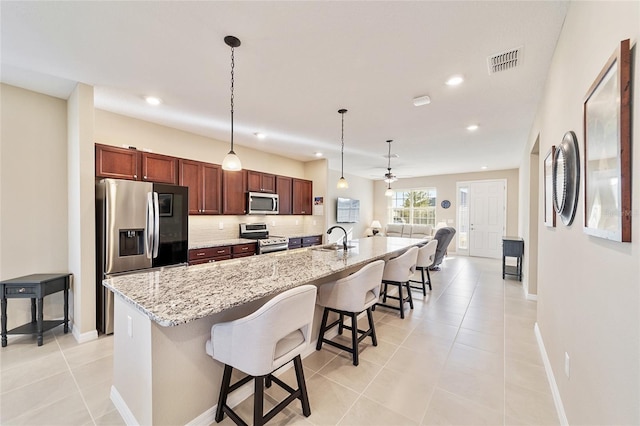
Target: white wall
pixel 359 189
pixel 33 193
pixel 588 288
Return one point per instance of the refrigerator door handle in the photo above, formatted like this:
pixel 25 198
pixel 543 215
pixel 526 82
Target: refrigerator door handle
pixel 156 225
pixel 148 241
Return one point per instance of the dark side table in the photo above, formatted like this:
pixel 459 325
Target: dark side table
pixel 512 247
pixel 34 287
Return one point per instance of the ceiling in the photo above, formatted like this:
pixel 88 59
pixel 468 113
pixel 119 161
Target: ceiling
pixel 299 63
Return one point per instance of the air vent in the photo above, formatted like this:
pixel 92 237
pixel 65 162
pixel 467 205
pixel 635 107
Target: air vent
pixel 505 60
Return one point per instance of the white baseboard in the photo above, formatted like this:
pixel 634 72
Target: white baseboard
pixel 123 408
pixel 557 400
pixel 84 337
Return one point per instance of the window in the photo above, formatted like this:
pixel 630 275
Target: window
pixel 414 206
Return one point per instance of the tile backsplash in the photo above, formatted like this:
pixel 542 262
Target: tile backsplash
pixel 203 229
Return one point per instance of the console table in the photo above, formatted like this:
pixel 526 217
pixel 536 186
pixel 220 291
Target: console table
pixel 512 247
pixel 34 287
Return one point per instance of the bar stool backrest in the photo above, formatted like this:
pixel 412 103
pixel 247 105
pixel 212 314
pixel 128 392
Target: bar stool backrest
pixel 401 268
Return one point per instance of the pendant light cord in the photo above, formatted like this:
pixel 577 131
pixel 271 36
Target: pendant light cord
pixel 342 149
pixel 232 81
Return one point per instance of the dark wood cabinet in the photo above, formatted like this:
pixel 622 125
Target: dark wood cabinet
pixel 313 240
pixel 302 198
pixel 209 254
pixel 260 182
pixel 131 164
pixel 295 243
pixel 243 250
pixel 117 163
pixel 284 191
pixel 159 168
pixel 203 180
pixel 234 192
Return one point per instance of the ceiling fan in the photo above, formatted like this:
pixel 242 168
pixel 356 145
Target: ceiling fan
pixel 389 177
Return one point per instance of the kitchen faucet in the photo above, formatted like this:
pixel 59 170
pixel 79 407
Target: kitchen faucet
pixel 344 241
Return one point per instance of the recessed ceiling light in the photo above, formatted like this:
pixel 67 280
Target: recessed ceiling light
pixel 421 100
pixel 455 80
pixel 260 135
pixel 472 127
pixel 317 154
pixel 484 167
pixel 152 100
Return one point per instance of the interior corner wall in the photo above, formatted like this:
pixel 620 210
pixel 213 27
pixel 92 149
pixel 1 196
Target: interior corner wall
pixel 588 288
pixel 33 193
pixel 360 189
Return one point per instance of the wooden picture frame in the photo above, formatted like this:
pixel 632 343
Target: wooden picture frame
pixel 547 182
pixel 607 150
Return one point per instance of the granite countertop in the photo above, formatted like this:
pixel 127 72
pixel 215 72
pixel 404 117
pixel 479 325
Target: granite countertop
pixel 179 295
pixel 220 243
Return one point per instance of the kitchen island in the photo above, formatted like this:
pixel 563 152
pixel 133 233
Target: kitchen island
pixel 163 318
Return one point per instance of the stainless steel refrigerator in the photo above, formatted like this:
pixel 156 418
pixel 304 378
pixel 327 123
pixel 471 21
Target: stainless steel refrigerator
pixel 139 225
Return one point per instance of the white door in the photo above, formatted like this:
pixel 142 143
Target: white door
pixel 486 218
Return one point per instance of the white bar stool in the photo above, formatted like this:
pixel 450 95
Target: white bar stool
pixel 426 258
pixel 351 296
pixel 398 271
pixel 259 344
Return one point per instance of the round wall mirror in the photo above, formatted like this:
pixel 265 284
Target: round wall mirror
pixel 566 178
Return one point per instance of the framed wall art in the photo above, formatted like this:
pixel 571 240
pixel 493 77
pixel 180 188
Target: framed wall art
pixel 547 172
pixel 566 178
pixel 607 150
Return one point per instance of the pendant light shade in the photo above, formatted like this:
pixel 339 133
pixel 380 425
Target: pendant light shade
pixel 231 161
pixel 342 182
pixel 389 191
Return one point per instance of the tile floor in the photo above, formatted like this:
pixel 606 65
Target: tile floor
pixel 465 355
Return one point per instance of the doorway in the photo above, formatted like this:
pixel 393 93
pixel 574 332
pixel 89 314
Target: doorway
pixel 482 217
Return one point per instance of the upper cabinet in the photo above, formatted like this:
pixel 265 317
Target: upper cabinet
pixel 302 190
pixel 117 163
pixel 123 163
pixel 260 182
pixel 234 192
pixel 203 181
pixel 284 190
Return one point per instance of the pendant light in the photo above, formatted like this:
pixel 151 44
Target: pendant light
pixel 342 182
pixel 389 177
pixel 231 161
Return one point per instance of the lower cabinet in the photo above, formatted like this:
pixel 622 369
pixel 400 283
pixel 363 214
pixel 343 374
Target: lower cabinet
pixel 216 254
pixel 298 242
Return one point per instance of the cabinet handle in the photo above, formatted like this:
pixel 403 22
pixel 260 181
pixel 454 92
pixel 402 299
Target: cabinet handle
pixel 220 251
pixel 135 176
pixel 245 248
pixel 199 254
pixel 144 177
pixel 21 290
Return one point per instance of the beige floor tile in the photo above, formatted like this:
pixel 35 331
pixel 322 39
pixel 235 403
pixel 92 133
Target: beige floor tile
pixel 417 364
pixel 526 375
pixel 366 412
pixel 403 392
pixel 112 418
pixel 23 349
pixel 444 317
pixel 484 389
pixel 475 339
pixel 36 395
pixel 429 347
pixel 448 409
pixel 488 326
pixel 329 400
pixel 391 333
pixel 377 354
pixel 94 372
pixel 432 329
pixel 318 359
pixel 529 406
pixel 32 371
pixel 466 357
pixel 91 351
pixel 98 399
pixel 69 410
pixel 523 351
pixel 343 371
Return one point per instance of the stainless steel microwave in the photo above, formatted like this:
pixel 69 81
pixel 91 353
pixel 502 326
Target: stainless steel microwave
pixel 262 203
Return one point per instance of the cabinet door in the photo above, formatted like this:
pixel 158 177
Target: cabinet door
pixel 159 168
pixel 190 177
pixel 117 163
pixel 211 174
pixel 302 190
pixel 283 189
pixel 234 190
pixel 260 182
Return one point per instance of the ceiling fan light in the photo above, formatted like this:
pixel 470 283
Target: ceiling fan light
pixel 388 192
pixel 421 100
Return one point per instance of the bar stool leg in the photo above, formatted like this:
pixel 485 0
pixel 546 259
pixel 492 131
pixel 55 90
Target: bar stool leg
pixel 354 337
pixel 424 286
pixel 401 300
pixel 410 297
pixel 323 326
pixel 429 277
pixel 374 339
pixel 304 397
pixel 224 391
pixel 258 401
pixel 341 324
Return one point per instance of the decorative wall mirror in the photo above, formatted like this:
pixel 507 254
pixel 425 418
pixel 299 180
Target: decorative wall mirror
pixel 566 178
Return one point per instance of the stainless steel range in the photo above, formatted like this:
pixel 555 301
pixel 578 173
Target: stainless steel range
pixel 266 243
